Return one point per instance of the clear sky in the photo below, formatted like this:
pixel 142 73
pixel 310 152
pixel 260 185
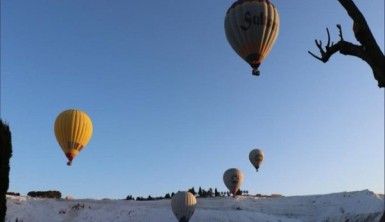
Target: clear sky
pixel 173 106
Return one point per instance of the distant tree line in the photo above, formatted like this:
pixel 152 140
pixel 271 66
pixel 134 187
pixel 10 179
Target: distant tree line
pixel 202 193
pixel 149 198
pixel 13 194
pixel 45 194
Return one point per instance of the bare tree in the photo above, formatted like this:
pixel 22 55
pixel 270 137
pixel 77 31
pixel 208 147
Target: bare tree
pixel 368 50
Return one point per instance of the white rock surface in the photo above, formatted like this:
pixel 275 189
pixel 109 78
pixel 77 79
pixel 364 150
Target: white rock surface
pixel 357 206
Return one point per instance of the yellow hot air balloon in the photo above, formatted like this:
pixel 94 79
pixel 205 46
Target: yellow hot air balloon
pixel 73 130
pixel 251 28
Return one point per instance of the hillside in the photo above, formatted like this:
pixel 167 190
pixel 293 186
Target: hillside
pixel 347 206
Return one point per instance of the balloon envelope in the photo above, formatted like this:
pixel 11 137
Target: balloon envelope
pixel 183 205
pixel 256 157
pixel 251 28
pixel 233 179
pixel 73 130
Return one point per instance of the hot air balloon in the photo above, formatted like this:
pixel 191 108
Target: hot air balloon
pixel 256 158
pixel 183 205
pixel 73 130
pixel 251 28
pixel 233 179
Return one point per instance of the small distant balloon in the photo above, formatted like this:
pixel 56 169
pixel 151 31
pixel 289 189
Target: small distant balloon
pixel 256 157
pixel 183 205
pixel 251 28
pixel 233 179
pixel 73 130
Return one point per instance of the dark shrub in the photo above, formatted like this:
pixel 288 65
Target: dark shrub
pixel 216 193
pixel 13 194
pixel 129 197
pixel 192 191
pixel 45 194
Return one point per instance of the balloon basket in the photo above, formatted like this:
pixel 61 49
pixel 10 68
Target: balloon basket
pixel 256 72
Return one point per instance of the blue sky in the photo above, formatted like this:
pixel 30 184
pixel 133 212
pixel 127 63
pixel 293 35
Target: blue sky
pixel 173 106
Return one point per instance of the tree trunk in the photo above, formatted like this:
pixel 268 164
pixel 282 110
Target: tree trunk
pixel 5 156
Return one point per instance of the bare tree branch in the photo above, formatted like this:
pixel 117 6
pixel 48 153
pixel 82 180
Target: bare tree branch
pixel 359 22
pixel 328 44
pixel 340 32
pixel 369 50
pixel 345 48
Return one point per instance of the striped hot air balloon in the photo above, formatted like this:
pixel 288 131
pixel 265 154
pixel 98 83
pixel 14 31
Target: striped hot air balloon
pixel 73 130
pixel 251 28
pixel 183 205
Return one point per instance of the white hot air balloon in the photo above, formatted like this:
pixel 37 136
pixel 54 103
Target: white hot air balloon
pixel 251 28
pixel 183 205
pixel 233 179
